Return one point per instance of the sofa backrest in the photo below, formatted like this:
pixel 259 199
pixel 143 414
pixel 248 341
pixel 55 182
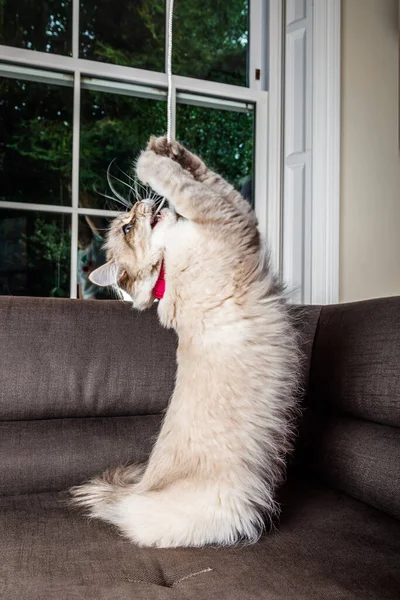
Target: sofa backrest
pixel 83 385
pixel 355 399
pixel 68 358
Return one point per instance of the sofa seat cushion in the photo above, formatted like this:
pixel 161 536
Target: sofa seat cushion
pixel 329 546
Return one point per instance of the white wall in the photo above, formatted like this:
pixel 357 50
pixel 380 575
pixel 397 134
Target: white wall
pixel 370 162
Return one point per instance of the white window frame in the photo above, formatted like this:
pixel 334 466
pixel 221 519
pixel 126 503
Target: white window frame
pixel 68 70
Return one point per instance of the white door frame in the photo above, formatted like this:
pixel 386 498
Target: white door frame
pixel 326 153
pixel 304 146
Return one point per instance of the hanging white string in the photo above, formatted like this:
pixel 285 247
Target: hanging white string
pixel 170 17
pixel 169 69
pixel 169 76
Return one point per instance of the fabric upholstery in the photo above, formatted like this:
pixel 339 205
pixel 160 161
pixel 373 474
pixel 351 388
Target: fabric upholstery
pixel 70 358
pixel 362 459
pixel 354 406
pixel 328 547
pixel 305 320
pixel 83 386
pixel 356 360
pixel 54 454
pixel 45 454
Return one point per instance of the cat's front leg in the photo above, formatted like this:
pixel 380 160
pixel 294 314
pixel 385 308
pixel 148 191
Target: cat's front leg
pixel 199 170
pixel 191 199
pixel 160 173
pixel 167 310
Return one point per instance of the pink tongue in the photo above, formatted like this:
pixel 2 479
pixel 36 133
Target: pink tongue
pixel 159 288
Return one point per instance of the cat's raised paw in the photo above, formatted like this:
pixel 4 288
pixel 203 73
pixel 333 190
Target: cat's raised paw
pixel 147 166
pixel 156 170
pixel 161 145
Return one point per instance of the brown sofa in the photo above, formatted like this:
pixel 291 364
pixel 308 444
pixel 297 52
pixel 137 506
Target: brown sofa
pixel 83 386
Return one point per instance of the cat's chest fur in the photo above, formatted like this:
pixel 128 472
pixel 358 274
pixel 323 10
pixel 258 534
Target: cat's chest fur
pixel 184 256
pixel 199 273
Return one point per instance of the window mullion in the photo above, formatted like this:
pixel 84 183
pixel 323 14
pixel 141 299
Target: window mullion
pixel 53 208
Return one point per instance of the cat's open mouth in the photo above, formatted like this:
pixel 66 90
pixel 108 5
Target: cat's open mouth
pixel 157 216
pixel 155 219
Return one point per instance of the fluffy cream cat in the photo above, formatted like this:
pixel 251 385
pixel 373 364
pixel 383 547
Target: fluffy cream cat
pixel 213 471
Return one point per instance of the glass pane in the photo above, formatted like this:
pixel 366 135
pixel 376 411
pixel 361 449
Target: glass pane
pixel 124 32
pixel 36 142
pixel 113 127
pixel 34 253
pixel 37 25
pixel 223 139
pixel 91 236
pixel 211 40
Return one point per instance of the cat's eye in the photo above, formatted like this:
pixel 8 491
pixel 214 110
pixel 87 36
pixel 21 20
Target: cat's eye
pixel 126 228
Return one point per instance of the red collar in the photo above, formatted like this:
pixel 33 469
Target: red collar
pixel 159 288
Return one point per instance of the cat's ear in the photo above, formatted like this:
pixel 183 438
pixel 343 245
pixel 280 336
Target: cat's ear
pixel 107 274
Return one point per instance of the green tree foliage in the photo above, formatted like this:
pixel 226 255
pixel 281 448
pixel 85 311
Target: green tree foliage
pixel 34 253
pixel 224 139
pixel 128 32
pixel 35 141
pixel 113 127
pixel 48 251
pixel 43 25
pixel 211 40
pixel 210 37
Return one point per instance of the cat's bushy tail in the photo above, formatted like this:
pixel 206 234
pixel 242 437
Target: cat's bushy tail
pixel 108 487
pixel 178 515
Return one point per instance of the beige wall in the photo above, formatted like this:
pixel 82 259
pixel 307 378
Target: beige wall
pixel 370 163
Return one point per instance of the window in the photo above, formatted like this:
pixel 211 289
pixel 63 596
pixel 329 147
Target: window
pixel 36 141
pixel 45 26
pixel 128 33
pixel 35 253
pixel 222 137
pixel 114 127
pixel 82 87
pixel 212 40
